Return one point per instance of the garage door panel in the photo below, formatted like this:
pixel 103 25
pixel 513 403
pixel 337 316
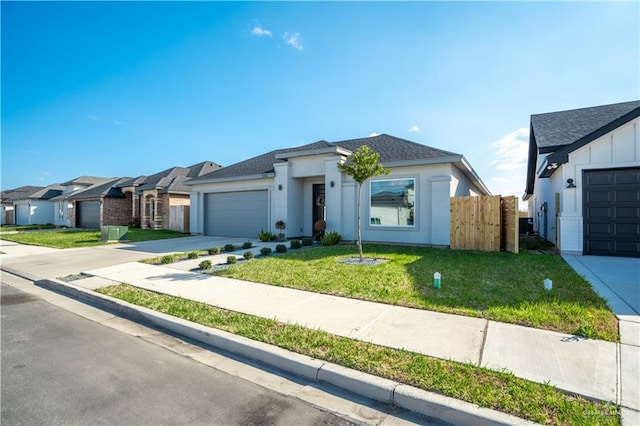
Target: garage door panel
pixel 236 214
pixel 627 196
pixel 88 214
pixel 600 196
pixel 627 177
pixel 22 214
pixel 612 212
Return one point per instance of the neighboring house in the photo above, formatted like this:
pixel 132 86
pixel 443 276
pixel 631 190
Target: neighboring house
pixel 63 215
pixel 152 197
pixel 101 205
pixel 7 197
pixel 302 185
pixel 584 169
pixel 36 208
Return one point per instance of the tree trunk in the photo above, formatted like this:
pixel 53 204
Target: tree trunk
pixel 359 232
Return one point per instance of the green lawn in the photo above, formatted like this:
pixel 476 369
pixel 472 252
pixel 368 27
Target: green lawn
pixel 70 239
pixel 496 390
pixel 503 286
pixel 19 228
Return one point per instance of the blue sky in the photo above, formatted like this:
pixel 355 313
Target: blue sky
pixel 130 89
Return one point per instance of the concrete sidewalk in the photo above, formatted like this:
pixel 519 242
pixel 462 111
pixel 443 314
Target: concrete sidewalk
pixel 583 366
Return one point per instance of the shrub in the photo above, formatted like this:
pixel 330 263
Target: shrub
pixel 229 247
pixel 280 225
pixel 205 265
pixel 193 255
pixel 214 250
pixel 248 255
pixel 307 241
pixel 265 236
pixel 169 258
pixel 265 251
pixel 273 238
pixel 247 245
pixel 295 244
pixel 331 238
pixel 231 260
pixel 281 248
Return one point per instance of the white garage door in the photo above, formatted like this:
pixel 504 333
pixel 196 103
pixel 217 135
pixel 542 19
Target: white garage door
pixel 236 214
pixel 22 214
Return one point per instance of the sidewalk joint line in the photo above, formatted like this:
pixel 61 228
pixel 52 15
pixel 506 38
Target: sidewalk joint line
pixel 367 326
pixel 484 341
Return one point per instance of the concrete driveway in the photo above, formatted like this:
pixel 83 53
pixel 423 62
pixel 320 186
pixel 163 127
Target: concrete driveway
pixel 617 279
pixel 44 262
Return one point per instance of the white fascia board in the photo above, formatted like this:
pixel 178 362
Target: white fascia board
pixel 308 152
pixel 464 166
pixel 423 161
pixel 232 179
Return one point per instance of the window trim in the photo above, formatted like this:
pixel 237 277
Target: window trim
pixel 382 227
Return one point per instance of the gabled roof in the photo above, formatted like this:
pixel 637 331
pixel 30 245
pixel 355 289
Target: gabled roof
pixel 9 195
pixel 109 189
pixel 172 180
pixel 390 148
pixel 135 182
pixel 560 133
pixel 86 181
pixel 46 193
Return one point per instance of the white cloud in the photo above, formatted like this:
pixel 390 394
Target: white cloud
pixel 512 150
pixel 293 40
pixel 414 129
pixel 259 31
pixel 510 164
pixel 374 134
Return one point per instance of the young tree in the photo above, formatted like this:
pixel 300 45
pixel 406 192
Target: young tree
pixel 364 164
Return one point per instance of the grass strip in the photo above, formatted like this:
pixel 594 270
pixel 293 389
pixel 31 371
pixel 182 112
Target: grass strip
pixel 502 286
pixel 495 390
pixel 87 238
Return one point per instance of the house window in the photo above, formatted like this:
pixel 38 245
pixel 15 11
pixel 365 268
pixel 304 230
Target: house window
pixel 392 202
pixel 60 210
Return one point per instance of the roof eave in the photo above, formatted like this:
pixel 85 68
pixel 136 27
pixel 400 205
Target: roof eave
pixel 230 179
pixel 308 152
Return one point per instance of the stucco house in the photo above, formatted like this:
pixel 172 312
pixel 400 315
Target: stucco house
pixel 152 197
pixel 583 179
pixel 63 211
pixel 7 197
pixel 303 184
pixel 36 208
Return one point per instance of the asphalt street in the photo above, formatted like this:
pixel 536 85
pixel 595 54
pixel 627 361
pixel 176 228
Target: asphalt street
pixel 60 368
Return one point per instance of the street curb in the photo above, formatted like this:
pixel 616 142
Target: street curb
pixel 428 404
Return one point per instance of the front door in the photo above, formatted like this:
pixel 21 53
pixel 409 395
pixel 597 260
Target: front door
pixel 318 203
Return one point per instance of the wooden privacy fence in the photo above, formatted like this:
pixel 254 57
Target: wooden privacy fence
pixel 179 219
pixel 487 223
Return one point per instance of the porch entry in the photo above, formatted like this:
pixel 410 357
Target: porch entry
pixel 318 203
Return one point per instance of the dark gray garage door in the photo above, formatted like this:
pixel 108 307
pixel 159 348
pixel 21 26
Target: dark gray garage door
pixel 612 212
pixel 236 214
pixel 88 214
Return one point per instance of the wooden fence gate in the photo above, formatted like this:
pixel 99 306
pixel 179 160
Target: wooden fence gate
pixel 179 219
pixel 488 223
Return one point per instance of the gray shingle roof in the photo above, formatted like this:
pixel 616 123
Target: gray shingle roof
pixel 560 133
pixel 172 180
pixel 46 193
pixel 389 147
pixel 9 195
pixel 555 129
pixel 86 180
pixel 107 189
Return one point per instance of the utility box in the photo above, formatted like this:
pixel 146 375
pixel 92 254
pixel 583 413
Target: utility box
pixel 114 233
